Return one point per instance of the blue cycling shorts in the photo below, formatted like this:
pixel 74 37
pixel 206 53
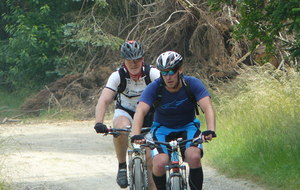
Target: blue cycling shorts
pixel 165 134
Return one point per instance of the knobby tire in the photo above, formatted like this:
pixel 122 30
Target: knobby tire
pixel 138 174
pixel 176 183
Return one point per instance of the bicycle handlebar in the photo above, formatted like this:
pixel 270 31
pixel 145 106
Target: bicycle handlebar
pixel 116 132
pixel 174 143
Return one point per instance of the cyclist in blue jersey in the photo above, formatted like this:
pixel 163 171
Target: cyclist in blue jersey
pixel 175 97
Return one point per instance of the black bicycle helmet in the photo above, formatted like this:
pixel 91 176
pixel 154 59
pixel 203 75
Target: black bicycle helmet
pixel 132 50
pixel 168 60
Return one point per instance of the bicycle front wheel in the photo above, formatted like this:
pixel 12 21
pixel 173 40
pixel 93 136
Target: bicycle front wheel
pixel 176 183
pixel 137 174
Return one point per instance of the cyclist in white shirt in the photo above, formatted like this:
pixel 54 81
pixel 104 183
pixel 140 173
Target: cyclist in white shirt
pixel 125 86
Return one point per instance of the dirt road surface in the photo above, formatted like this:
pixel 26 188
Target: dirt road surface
pixel 71 156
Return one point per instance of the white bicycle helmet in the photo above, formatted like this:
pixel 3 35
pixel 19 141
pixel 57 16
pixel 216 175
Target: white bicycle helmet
pixel 168 60
pixel 131 50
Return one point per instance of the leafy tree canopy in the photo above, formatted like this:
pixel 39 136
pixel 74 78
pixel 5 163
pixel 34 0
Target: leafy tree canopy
pixel 267 22
pixel 41 41
pixel 35 33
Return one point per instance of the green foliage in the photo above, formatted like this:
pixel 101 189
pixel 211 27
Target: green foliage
pixel 33 50
pixel 97 28
pixel 258 133
pixel 44 40
pixel 93 32
pixel 262 21
pixel 82 36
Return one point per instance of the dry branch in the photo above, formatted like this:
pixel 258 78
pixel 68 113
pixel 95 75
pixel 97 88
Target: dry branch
pixel 6 120
pixel 242 58
pixel 180 11
pixel 53 96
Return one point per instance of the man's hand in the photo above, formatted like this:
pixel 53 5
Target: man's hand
pixel 101 128
pixel 208 135
pixel 137 139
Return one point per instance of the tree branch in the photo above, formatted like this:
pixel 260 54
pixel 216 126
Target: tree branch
pixel 180 11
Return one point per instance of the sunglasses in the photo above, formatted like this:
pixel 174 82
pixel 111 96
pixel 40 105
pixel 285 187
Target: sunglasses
pixel 170 72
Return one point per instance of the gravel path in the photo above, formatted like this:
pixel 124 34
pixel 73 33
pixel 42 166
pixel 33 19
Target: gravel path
pixel 71 156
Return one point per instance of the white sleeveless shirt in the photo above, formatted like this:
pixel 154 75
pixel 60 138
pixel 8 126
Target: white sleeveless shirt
pixel 130 96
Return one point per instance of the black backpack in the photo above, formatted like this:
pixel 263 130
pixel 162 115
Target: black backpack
pixel 123 75
pixel 122 86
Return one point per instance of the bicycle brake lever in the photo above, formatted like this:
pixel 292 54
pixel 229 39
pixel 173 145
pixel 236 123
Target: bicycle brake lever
pixel 198 140
pixel 149 144
pixel 152 146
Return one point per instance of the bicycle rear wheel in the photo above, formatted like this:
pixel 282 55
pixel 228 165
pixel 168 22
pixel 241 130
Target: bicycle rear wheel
pixel 138 179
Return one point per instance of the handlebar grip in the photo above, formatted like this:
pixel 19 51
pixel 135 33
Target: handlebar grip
pixel 209 132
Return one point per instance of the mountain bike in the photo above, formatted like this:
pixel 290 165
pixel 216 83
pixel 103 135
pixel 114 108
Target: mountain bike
pixel 175 170
pixel 137 167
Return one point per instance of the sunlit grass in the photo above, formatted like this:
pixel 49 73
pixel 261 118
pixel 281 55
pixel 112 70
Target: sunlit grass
pixel 58 114
pixel 10 108
pixel 10 102
pixel 258 131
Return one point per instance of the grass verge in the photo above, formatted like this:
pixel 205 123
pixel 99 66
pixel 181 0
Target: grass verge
pixel 259 128
pixel 10 102
pixel 10 108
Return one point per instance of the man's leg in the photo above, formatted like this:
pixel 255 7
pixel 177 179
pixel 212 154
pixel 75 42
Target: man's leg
pixel 193 157
pixel 196 178
pixel 121 146
pixel 149 169
pixel 159 172
pixel 160 182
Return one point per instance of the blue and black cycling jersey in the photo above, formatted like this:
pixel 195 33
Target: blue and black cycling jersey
pixel 175 109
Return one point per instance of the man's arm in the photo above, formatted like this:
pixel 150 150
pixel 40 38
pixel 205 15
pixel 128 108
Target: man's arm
pixel 207 108
pixel 141 110
pixel 106 97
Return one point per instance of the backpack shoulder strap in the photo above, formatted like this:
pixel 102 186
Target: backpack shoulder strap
pixel 159 94
pixel 190 94
pixel 147 69
pixel 123 75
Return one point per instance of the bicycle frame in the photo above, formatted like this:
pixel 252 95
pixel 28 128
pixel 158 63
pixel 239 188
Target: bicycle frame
pixel 175 172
